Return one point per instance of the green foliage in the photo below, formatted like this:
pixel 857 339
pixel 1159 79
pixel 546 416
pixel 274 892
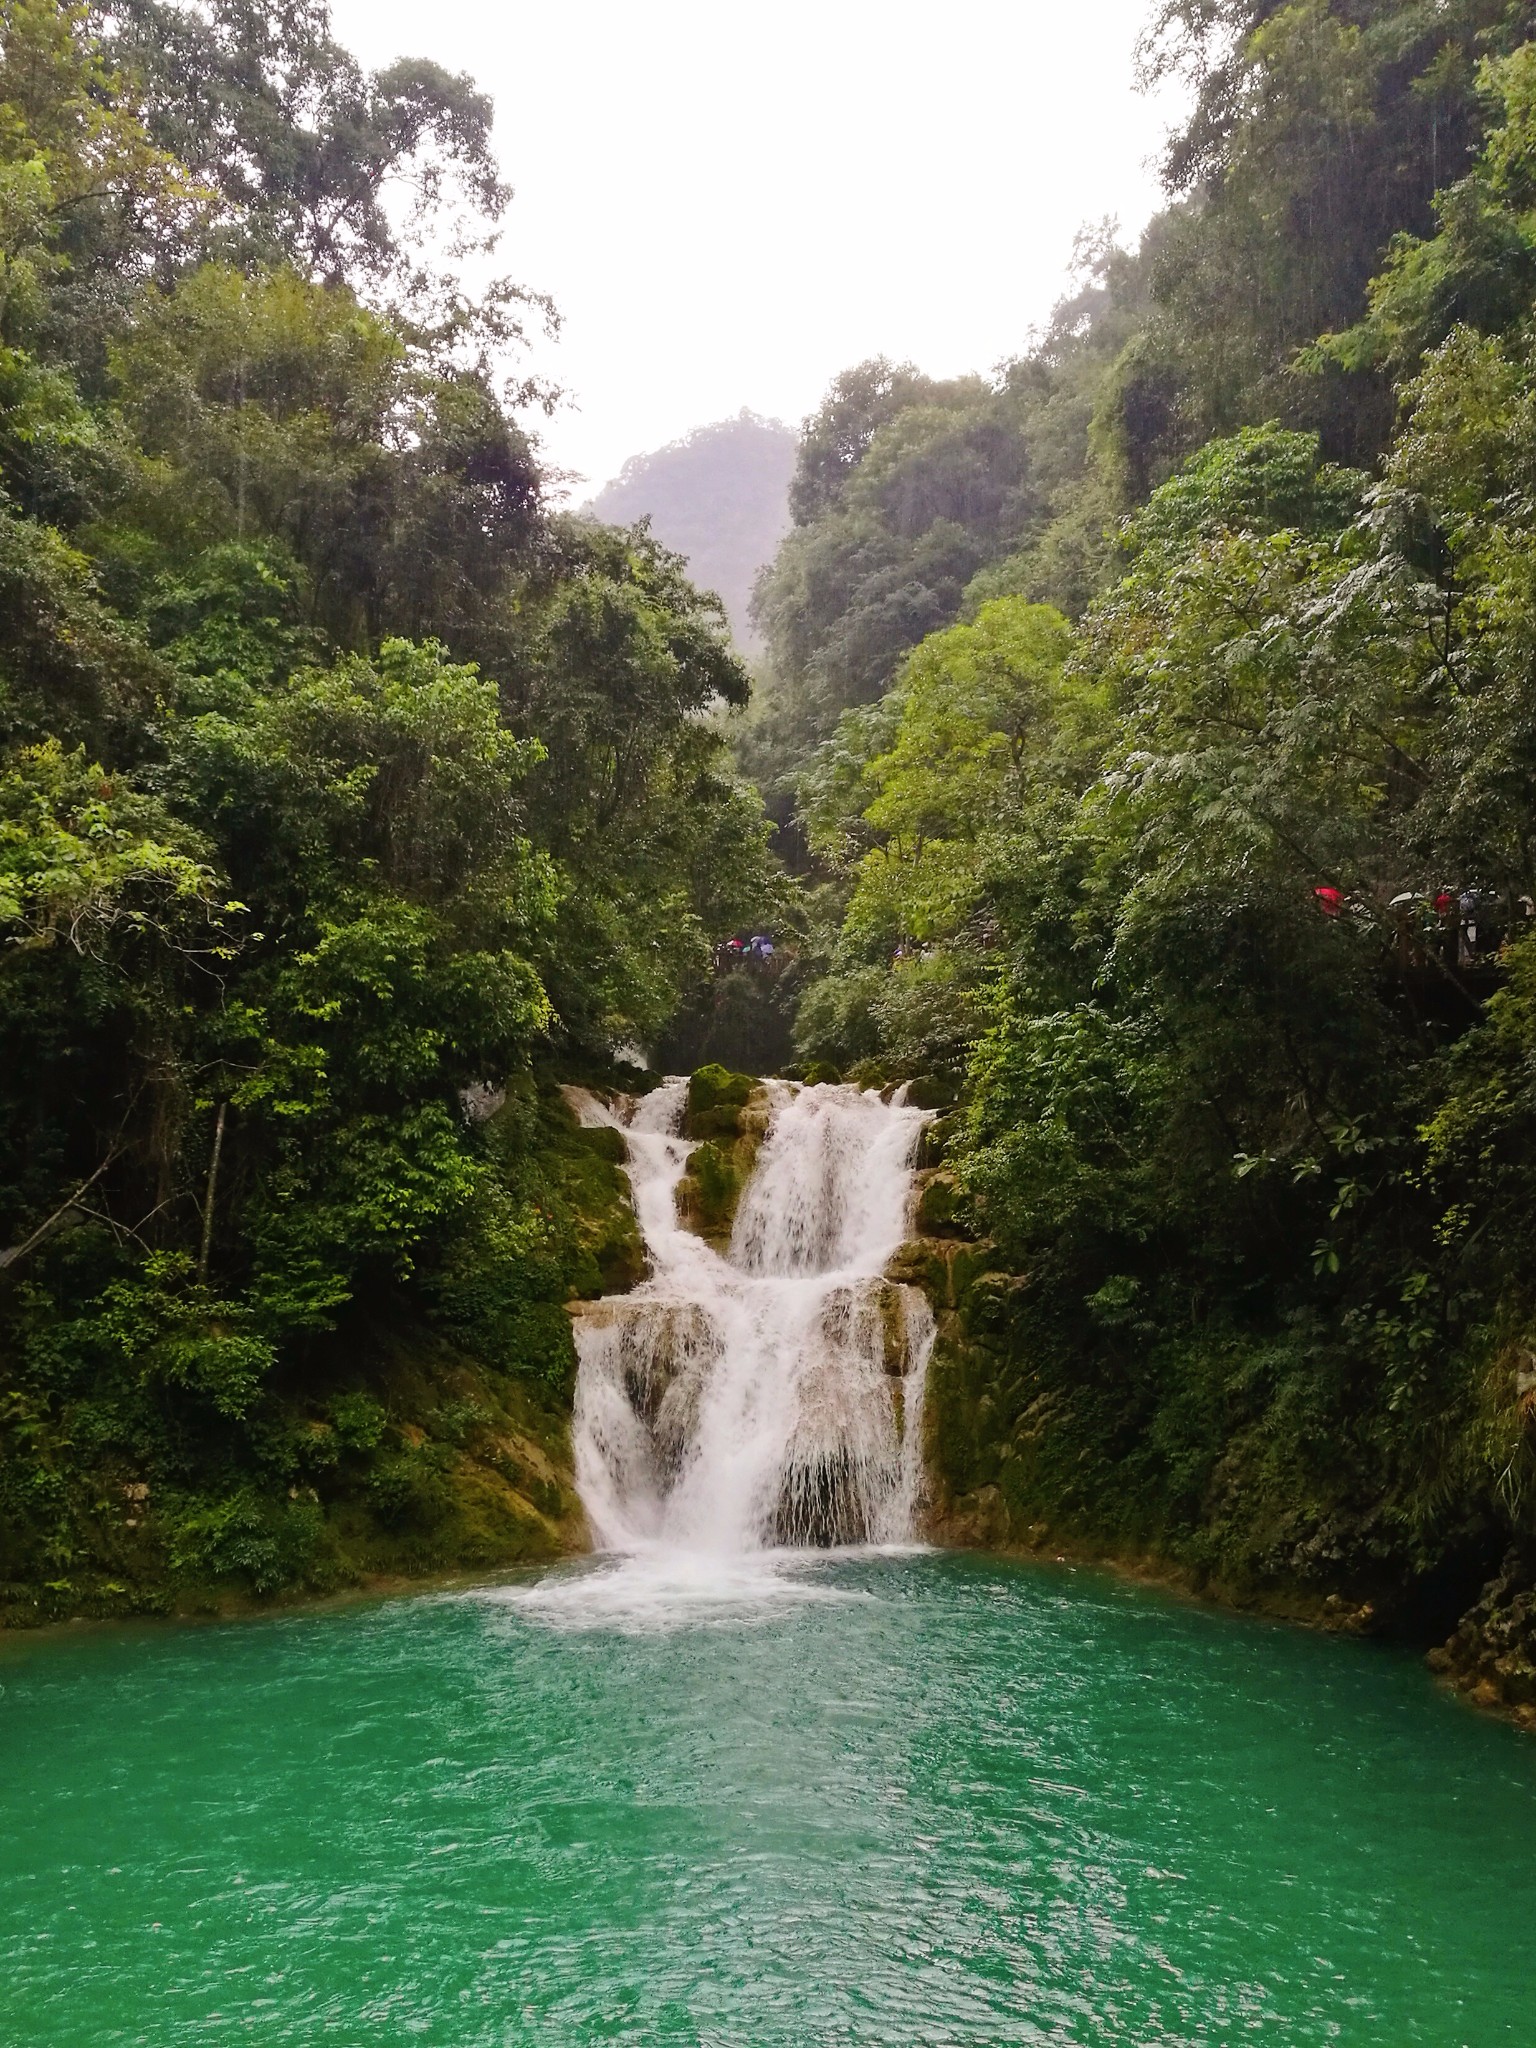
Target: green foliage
pixel 1478 269
pixel 658 847
pixel 342 788
pixel 245 1539
pixel 1319 133
pixel 1261 480
pixel 93 864
pixel 916 499
pixel 908 804
pixel 1246 1127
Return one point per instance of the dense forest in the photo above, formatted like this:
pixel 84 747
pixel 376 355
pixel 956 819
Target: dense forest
pixel 1158 720
pixel 346 797
pixel 719 497
pixel 1149 733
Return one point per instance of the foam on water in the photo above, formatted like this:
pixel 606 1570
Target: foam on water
pixel 750 1406
pixel 661 1588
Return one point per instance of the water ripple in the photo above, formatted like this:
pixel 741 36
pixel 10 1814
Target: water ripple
pixel 910 1801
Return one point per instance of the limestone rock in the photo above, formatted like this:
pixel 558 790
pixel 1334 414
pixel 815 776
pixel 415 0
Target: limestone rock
pixel 1492 1656
pixel 716 1099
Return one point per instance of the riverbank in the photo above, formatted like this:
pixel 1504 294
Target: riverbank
pixel 480 1481
pixel 1009 1473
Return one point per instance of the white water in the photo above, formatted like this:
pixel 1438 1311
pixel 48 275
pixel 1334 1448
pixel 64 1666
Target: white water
pixel 771 1397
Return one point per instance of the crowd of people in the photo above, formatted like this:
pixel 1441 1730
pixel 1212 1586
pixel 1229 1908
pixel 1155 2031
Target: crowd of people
pixel 1463 927
pixel 756 951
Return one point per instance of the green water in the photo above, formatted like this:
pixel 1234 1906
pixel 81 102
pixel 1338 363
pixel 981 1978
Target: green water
pixel 907 1800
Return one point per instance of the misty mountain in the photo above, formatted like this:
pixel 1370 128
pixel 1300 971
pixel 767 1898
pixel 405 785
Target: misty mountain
pixel 719 496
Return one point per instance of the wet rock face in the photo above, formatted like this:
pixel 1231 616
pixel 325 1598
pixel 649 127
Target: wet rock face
pixel 941 1207
pixel 728 1125
pixel 1492 1656
pixel 823 1505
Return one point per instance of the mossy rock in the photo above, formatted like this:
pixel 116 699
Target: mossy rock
pixel 921 1263
pixel 971 1265
pixel 933 1091
pixel 720 1166
pixel 606 1142
pixel 584 1166
pixel 933 1146
pixel 941 1205
pixel 821 1074
pixel 716 1098
pixel 895 1328
pixel 710 1190
pixel 984 1297
pixel 872 1074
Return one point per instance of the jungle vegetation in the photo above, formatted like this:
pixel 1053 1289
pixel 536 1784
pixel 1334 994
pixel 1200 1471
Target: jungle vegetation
pixel 1159 718
pixel 1150 725
pixel 346 792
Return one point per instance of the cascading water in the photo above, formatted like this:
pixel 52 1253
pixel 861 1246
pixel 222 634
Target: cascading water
pixel 771 1396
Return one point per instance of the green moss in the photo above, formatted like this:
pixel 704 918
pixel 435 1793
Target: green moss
pixel 933 1091
pixel 582 1168
pixel 716 1098
pixel 606 1142
pixel 726 1116
pixel 720 1166
pixel 921 1263
pixel 893 1331
pixel 715 1182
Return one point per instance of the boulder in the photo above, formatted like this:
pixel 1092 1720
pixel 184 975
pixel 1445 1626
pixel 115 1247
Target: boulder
pixel 729 1135
pixel 716 1099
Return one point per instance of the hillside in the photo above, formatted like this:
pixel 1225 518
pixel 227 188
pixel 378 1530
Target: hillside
pixel 720 496
pixel 345 792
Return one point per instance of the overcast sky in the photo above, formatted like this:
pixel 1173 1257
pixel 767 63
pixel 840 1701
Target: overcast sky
pixel 731 202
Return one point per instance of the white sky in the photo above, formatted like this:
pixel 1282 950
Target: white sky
pixel 729 203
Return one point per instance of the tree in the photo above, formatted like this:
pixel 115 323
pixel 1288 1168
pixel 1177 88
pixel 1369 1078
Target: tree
pixel 1478 269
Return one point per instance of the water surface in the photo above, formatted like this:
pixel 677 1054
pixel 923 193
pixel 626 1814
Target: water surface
pixel 905 1799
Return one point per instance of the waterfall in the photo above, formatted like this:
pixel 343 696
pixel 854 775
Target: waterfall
pixel 771 1396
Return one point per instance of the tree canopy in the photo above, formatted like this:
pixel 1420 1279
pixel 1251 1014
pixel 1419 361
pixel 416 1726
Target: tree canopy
pixel 343 785
pixel 1157 717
